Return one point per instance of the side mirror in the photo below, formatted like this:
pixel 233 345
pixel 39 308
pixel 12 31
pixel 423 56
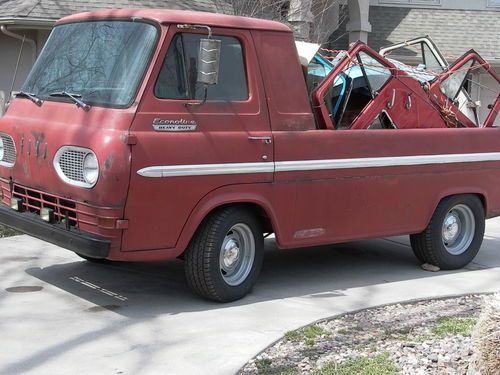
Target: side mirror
pixel 209 61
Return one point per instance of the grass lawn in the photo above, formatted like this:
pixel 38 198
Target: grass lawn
pixel 455 326
pixel 380 365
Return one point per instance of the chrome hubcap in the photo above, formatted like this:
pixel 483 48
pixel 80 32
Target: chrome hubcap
pixel 451 227
pixel 231 253
pixel 458 229
pixel 237 254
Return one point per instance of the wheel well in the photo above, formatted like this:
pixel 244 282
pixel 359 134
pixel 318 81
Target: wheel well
pixel 259 212
pixel 481 197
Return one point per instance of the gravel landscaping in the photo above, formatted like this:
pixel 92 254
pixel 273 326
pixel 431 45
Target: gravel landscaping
pixel 7 232
pixel 427 337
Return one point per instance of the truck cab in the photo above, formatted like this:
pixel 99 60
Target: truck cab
pixel 121 147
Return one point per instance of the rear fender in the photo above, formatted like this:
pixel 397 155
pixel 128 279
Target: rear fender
pixel 457 191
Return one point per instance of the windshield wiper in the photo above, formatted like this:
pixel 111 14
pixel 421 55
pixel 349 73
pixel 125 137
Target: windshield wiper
pixel 73 97
pixel 35 99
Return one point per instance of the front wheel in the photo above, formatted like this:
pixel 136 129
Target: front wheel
pixel 225 256
pixel 454 235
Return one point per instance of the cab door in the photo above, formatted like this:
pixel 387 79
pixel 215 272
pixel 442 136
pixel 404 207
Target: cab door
pixel 186 148
pixel 470 88
pixel 423 51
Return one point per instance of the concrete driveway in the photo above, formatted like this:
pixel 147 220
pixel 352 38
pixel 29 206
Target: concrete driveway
pixel 63 315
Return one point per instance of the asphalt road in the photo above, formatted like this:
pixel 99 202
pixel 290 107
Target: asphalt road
pixel 62 315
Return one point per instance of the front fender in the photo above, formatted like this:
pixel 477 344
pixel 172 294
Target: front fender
pixel 249 194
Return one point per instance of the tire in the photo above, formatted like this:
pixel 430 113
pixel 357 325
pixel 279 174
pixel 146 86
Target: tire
pixel 93 260
pixel 453 237
pixel 224 258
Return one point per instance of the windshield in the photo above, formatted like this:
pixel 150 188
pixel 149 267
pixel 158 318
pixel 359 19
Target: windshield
pixel 102 61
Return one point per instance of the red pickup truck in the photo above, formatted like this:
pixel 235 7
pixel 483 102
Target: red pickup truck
pixel 146 135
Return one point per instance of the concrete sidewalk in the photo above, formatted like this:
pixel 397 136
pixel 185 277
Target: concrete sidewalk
pixel 62 315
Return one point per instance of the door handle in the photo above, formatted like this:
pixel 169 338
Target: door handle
pixel 266 139
pixel 408 102
pixel 390 104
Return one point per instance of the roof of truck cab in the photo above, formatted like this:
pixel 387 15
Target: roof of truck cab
pixel 167 16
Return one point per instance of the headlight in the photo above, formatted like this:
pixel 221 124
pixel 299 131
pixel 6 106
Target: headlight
pixel 90 168
pixel 77 166
pixel 2 149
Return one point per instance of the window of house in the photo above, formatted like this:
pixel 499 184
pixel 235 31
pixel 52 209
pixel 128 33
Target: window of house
pixel 411 2
pixel 178 76
pixel 494 3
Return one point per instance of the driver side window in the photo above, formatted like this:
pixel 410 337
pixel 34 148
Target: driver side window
pixel 178 76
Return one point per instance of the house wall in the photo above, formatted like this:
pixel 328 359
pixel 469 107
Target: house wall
pixel 10 49
pixel 484 91
pixel 441 4
pixel 454 31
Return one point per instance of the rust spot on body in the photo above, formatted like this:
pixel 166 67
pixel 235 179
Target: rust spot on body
pixel 109 162
pixel 39 136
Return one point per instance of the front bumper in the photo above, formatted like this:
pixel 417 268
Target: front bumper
pixel 74 240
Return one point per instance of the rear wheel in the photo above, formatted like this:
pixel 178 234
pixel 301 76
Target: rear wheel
pixel 225 256
pixel 454 235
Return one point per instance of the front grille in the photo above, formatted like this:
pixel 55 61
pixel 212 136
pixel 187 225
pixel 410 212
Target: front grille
pixel 34 201
pixel 71 164
pixel 9 153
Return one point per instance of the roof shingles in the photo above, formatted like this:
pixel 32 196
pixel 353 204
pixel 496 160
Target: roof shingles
pixel 453 31
pixel 55 9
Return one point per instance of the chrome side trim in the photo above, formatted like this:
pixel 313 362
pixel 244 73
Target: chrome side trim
pixel 311 165
pixel 206 169
pixel 395 161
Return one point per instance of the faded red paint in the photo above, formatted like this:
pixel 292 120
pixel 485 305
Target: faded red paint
pixel 305 208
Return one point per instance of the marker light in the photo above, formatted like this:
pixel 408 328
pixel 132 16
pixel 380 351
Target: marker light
pixel 16 204
pixel 47 214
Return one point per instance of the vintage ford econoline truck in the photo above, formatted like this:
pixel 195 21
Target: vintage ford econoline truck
pixel 146 135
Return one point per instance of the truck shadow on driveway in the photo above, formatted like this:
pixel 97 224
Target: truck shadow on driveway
pixel 142 290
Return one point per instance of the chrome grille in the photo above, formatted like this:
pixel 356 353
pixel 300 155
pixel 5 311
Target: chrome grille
pixel 71 163
pixel 9 154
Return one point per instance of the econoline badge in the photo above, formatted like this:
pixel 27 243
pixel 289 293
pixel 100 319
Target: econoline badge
pixel 162 125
